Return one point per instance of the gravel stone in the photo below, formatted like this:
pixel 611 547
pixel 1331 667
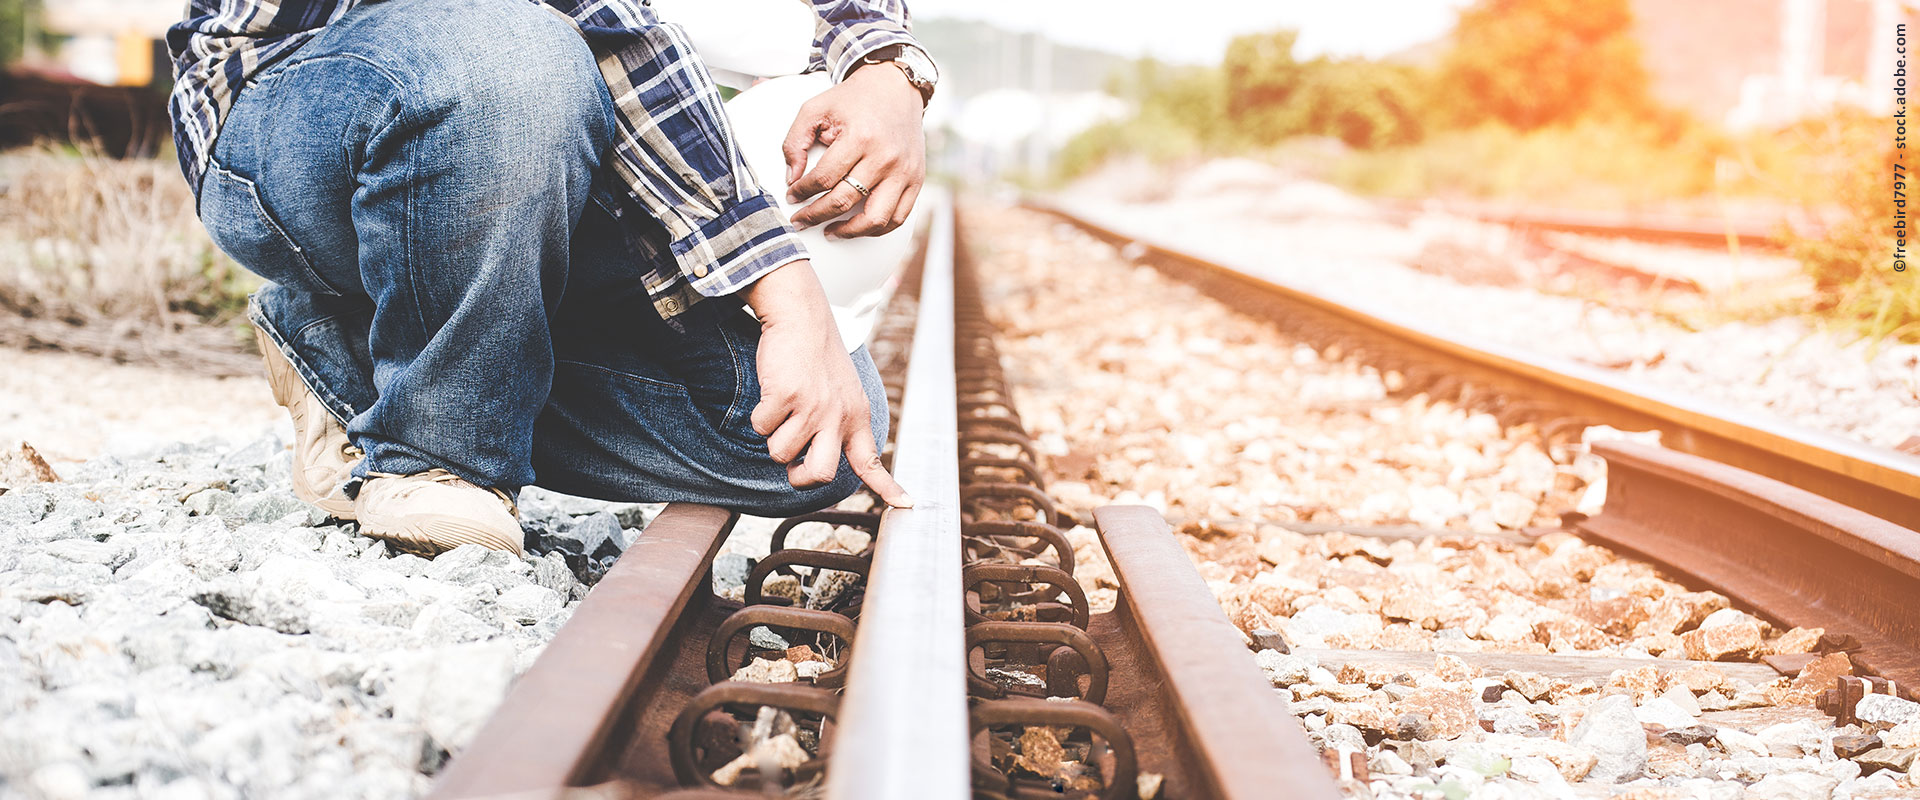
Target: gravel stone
pixel 730 571
pixel 1884 711
pixel 1793 786
pixel 1853 744
pixel 451 690
pixel 1794 739
pixel 1740 744
pixel 1903 735
pixel 1889 758
pixel 1610 731
pixel 1664 713
pixel 1284 669
pixel 174 624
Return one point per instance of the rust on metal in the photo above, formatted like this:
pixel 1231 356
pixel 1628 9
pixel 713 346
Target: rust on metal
pixel 1243 741
pixel 1843 699
pixel 1000 577
pixel 790 697
pixel 720 664
pixel 1119 776
pixel 593 665
pixel 1067 636
pixel 1796 557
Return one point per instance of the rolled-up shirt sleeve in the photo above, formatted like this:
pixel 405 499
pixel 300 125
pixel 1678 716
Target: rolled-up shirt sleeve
pixel 675 154
pixel 849 30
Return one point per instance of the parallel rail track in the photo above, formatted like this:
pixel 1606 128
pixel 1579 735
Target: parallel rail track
pixel 1807 528
pixel 1568 395
pixel 966 648
pixel 1654 228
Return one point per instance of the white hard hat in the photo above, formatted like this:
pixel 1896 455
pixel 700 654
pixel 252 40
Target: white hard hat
pixel 859 274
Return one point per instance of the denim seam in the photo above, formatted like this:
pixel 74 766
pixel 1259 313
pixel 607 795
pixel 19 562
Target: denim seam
pixel 218 168
pixel 334 405
pixel 627 375
pixel 419 308
pixel 726 337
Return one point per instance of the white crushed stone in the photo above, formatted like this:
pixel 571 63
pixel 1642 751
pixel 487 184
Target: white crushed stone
pixel 175 624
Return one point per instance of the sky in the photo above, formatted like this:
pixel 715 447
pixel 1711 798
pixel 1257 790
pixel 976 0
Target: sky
pixel 1197 31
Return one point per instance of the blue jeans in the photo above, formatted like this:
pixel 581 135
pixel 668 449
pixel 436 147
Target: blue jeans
pixel 415 186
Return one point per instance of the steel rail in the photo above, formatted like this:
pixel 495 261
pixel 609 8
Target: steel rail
pixel 902 728
pixel 1799 558
pixel 551 732
pixel 1878 481
pixel 1240 741
pixel 1690 231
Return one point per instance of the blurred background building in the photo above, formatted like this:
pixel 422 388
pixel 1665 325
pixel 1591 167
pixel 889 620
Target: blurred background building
pixel 1751 63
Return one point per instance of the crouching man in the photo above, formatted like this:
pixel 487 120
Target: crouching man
pixel 508 242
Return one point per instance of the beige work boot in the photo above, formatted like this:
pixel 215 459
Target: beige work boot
pixel 323 456
pixel 435 511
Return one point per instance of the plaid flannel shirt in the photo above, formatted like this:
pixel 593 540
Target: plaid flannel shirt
pixel 678 177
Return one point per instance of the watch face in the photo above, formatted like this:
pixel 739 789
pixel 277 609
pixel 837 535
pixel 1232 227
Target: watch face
pixel 922 67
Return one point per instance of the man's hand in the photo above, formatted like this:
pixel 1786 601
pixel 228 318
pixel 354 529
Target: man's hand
pixel 870 124
pixel 811 402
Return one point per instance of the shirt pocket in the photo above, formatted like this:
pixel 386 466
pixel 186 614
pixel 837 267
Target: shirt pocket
pixel 243 227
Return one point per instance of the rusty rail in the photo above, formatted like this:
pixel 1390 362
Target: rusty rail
pixel 595 665
pixel 1689 231
pixel 1564 395
pixel 1797 557
pixel 1242 741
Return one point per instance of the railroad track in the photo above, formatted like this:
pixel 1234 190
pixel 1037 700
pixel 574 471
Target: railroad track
pixel 1808 529
pixel 1655 228
pixel 961 657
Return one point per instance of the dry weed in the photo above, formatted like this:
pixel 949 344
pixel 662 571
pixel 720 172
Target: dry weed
pixel 97 250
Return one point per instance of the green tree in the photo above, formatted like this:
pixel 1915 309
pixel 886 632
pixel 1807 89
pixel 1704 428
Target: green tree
pixel 1263 85
pixel 1271 95
pixel 1533 63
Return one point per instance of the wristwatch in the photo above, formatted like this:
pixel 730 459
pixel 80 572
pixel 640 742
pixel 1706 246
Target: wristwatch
pixel 921 73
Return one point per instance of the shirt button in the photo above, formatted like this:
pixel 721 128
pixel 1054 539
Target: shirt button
pixel 700 271
pixel 670 305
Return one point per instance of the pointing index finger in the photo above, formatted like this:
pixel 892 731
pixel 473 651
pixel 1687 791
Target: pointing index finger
pixel 866 464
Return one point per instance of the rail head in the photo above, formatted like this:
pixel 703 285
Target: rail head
pixel 1798 558
pixel 902 730
pixel 1246 742
pixel 593 665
